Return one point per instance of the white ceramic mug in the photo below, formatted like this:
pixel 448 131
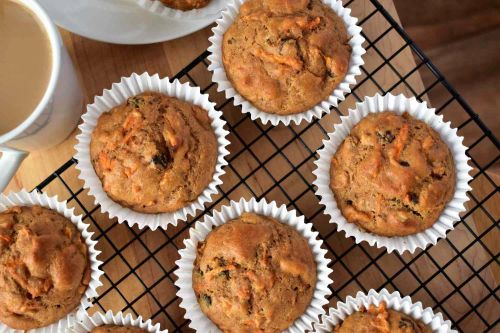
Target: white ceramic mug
pixel 57 113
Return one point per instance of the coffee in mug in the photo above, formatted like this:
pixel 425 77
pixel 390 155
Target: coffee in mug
pixel 25 63
pixel 40 96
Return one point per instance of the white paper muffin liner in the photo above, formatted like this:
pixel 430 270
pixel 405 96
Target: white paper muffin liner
pixel 398 104
pixel 199 232
pixel 223 83
pixel 88 323
pixel 157 7
pixel 394 301
pixel 25 198
pixel 119 93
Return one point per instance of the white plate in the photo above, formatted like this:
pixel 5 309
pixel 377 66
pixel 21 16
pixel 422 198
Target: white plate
pixel 118 21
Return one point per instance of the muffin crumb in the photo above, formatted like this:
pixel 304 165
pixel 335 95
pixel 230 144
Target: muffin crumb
pixel 117 329
pixel 254 274
pixel 185 5
pixel 44 267
pixel 392 175
pixel 155 153
pixel 286 56
pixel 380 320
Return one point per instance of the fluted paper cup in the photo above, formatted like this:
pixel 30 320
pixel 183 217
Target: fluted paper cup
pixel 25 198
pixel 338 94
pixel 212 10
pixel 119 93
pixel 419 110
pixel 393 301
pixel 199 232
pixel 88 323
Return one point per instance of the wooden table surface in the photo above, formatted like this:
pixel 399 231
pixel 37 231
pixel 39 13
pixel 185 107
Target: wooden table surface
pixel 100 64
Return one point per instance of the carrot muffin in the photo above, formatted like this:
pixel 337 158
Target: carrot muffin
pixel 117 329
pixel 185 4
pixel 254 274
pixel 381 320
pixel 44 267
pixel 155 153
pixel 286 56
pixel 393 175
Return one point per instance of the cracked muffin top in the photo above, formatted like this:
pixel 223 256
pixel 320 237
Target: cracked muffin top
pixel 185 4
pixel 393 175
pixel 286 56
pixel 117 329
pixel 44 267
pixel 381 320
pixel 155 153
pixel 254 274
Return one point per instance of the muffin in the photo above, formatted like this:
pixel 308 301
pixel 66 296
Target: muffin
pixel 117 329
pixel 392 175
pixel 286 56
pixel 44 267
pixel 155 153
pixel 185 4
pixel 380 320
pixel 254 274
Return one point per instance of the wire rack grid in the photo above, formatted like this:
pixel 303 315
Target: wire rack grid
pixel 457 277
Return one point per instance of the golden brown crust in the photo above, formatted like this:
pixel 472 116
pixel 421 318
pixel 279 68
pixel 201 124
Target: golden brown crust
pixel 185 4
pixel 44 267
pixel 117 329
pixel 155 153
pixel 254 274
pixel 393 175
pixel 286 56
pixel 381 320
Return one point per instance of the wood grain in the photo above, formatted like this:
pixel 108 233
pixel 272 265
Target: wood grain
pixel 462 41
pixel 268 170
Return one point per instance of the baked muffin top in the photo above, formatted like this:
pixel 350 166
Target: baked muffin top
pixel 286 56
pixel 44 267
pixel 155 153
pixel 254 274
pixel 117 329
pixel 393 175
pixel 381 320
pixel 185 4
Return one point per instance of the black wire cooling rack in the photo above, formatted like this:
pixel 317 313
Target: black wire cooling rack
pixel 458 277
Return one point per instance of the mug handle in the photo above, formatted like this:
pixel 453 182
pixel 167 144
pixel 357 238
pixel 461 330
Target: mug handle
pixel 9 163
